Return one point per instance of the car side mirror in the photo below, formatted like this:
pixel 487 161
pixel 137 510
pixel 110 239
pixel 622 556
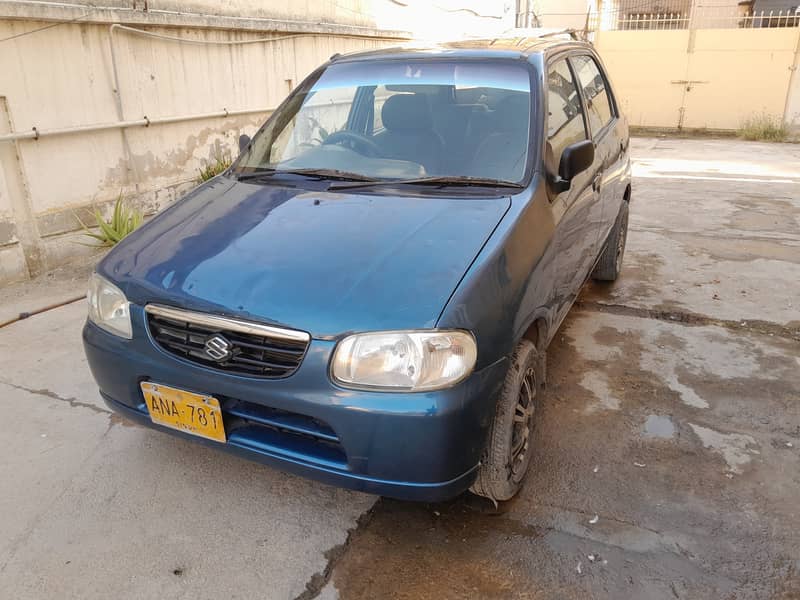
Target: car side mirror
pixel 575 159
pixel 244 142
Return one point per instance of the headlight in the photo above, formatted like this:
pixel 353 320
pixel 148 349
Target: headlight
pixel 411 361
pixel 108 307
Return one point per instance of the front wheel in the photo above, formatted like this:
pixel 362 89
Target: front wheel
pixel 508 450
pixel 610 263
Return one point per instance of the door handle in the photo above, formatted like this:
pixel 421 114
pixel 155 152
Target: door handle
pixel 596 182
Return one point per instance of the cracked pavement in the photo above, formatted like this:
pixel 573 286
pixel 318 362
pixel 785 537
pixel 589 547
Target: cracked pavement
pixel 667 448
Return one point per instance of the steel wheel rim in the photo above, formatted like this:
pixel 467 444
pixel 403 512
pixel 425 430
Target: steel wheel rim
pixel 522 426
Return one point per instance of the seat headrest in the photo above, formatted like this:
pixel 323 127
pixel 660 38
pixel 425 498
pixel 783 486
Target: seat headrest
pixel 406 112
pixel 511 112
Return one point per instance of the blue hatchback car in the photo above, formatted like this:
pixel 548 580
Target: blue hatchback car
pixel 366 296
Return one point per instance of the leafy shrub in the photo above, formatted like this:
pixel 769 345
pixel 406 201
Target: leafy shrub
pixel 763 127
pixel 124 220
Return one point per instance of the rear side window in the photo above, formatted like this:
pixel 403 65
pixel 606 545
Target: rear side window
pixel 598 104
pixel 565 116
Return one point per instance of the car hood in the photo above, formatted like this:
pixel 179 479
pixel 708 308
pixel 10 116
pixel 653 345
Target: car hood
pixel 326 263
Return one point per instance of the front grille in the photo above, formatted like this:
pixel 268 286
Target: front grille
pixel 267 430
pixel 250 348
pixel 276 431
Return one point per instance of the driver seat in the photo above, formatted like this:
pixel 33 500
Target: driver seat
pixel 409 133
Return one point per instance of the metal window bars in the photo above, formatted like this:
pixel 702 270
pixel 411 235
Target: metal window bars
pixel 699 17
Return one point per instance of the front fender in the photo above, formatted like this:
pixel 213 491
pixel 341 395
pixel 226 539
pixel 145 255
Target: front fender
pixel 511 283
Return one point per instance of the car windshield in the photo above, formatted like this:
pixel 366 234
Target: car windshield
pixel 396 119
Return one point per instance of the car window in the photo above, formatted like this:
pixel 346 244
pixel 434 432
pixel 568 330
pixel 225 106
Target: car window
pixel 323 113
pixel 403 119
pixel 598 104
pixel 565 124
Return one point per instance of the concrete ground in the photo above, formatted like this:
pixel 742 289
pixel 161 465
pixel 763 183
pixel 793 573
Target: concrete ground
pixel 667 448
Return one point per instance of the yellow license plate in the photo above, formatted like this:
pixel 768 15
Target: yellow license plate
pixel 186 411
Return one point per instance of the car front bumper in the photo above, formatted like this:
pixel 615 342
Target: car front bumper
pixel 416 446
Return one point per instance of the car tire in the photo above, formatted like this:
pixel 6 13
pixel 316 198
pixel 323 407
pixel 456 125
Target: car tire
pixel 508 449
pixel 610 263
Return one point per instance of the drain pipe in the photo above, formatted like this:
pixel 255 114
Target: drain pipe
pixel 25 315
pixel 35 133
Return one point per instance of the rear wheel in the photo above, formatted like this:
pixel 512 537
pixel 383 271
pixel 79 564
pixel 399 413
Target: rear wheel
pixel 508 451
pixel 610 263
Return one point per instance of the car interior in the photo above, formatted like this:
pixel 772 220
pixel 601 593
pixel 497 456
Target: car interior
pixel 480 133
pixel 403 131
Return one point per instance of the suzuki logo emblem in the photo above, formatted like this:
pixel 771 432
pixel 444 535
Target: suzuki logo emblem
pixel 218 348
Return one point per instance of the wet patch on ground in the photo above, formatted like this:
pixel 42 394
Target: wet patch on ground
pixel 773 215
pixel 738 249
pixel 659 426
pixel 714 273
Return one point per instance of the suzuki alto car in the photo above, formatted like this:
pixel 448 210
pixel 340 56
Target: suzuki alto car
pixel 365 297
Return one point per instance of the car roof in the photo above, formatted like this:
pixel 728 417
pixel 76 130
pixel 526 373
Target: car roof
pixel 513 47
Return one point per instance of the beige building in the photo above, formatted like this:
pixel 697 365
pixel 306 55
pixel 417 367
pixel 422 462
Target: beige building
pixel 692 64
pixel 707 78
pixel 635 14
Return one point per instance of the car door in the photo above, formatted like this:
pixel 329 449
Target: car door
pixel 577 210
pixel 603 121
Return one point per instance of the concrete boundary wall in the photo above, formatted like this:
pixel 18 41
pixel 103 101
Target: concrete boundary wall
pixel 347 17
pixel 705 78
pixel 63 77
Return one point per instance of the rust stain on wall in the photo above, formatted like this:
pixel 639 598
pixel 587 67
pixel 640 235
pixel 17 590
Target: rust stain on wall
pixel 211 141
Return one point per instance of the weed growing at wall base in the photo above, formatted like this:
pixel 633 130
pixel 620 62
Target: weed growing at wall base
pixel 763 127
pixel 215 168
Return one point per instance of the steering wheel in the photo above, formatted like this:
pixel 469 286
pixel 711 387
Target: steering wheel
pixel 354 140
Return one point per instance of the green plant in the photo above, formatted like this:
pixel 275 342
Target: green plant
pixel 763 127
pixel 215 168
pixel 124 220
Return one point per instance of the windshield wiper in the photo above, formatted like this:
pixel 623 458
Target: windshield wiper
pixel 336 174
pixel 439 181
